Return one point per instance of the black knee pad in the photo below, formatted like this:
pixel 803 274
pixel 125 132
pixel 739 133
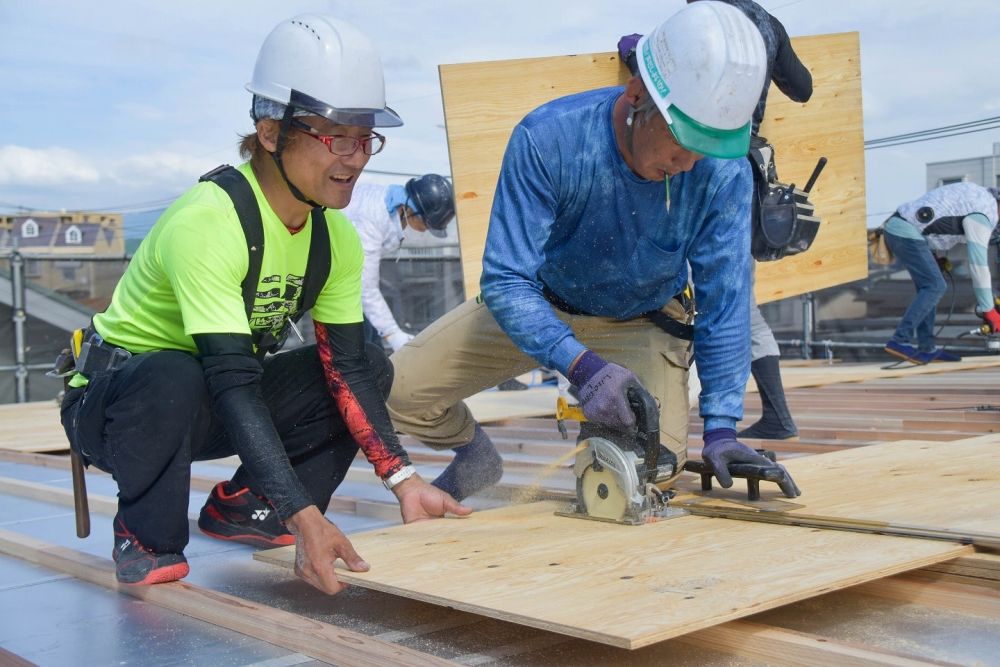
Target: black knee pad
pixel 379 362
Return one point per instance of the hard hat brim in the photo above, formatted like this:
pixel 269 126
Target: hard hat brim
pixel 384 117
pixel 713 142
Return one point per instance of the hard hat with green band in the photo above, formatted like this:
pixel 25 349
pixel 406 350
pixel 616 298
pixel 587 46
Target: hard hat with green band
pixel 700 138
pixel 704 68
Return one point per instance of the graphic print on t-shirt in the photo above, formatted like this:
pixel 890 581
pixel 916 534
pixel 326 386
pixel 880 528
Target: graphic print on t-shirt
pixel 275 302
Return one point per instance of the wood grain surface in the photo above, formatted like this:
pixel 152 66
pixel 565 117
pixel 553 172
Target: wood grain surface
pixel 526 565
pixel 484 101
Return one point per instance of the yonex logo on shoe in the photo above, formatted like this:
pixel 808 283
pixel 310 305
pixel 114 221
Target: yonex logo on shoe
pixel 260 515
pixel 125 545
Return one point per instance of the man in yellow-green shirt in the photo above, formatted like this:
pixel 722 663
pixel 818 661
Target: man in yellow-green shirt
pixel 179 374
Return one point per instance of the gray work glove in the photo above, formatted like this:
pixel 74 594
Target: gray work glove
pixel 722 448
pixel 604 392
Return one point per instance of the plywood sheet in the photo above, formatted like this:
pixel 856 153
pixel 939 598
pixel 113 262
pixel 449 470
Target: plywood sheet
pixel 35 427
pixel 818 376
pixel 491 406
pixel 628 586
pixel 948 487
pixel 484 101
pixel 32 427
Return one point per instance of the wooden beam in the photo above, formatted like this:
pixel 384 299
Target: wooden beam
pixel 8 659
pixel 316 639
pixel 789 647
pixel 362 507
pixel 934 589
pixel 978 566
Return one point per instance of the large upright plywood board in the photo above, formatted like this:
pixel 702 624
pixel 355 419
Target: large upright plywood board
pixel 484 101
pixel 627 586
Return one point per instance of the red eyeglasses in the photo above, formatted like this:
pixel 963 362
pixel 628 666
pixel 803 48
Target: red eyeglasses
pixel 341 144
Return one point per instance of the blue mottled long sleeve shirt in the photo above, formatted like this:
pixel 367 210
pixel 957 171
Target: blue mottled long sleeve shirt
pixel 570 215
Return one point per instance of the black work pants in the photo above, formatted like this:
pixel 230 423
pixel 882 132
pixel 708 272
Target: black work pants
pixel 145 422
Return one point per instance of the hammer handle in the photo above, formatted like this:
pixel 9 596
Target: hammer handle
pixel 80 505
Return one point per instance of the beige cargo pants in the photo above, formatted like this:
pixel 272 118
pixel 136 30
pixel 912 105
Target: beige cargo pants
pixel 466 351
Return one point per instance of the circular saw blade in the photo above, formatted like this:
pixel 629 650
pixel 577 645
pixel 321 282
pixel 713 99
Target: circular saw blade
pixel 602 495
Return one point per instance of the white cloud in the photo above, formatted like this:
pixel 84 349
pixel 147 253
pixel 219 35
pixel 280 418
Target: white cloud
pixel 169 170
pixel 44 166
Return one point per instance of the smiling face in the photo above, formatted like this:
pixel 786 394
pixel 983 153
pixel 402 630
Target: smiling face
pixel 648 146
pixel 320 175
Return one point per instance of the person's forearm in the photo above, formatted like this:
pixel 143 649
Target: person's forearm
pixel 355 392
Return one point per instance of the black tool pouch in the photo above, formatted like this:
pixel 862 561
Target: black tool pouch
pixel 783 220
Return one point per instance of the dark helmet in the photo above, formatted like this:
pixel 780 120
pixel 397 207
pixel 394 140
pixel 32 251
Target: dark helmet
pixel 434 200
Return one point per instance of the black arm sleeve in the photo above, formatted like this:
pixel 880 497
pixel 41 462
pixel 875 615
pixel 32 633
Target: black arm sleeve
pixel 351 381
pixel 232 375
pixel 788 73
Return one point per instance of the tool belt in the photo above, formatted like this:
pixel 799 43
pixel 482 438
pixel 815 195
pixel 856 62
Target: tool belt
pixel 783 218
pixel 878 249
pixel 89 353
pixel 675 318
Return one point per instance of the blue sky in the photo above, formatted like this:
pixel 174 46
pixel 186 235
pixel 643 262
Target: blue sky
pixel 121 105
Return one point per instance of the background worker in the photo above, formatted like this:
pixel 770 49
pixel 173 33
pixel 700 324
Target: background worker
pixel 381 213
pixel 602 202
pixel 934 223
pixel 184 382
pixel 785 70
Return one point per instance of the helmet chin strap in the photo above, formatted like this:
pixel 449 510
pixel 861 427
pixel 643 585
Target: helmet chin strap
pixel 286 124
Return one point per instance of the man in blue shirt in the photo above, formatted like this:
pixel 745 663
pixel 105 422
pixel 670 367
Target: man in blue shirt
pixel 604 201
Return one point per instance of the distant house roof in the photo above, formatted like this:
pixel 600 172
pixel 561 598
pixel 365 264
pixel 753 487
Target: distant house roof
pixel 47 227
pixel 89 233
pixel 52 232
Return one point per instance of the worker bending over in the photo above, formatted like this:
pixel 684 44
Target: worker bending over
pixel 381 213
pixel 604 199
pixel 915 233
pixel 787 72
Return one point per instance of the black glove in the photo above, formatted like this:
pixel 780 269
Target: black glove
pixel 722 448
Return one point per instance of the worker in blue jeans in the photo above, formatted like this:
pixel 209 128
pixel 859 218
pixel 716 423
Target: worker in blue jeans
pixel 934 223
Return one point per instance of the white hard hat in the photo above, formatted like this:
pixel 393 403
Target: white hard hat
pixel 704 68
pixel 326 67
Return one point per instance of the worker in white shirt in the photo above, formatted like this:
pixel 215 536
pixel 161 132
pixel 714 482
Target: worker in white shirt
pixel 381 213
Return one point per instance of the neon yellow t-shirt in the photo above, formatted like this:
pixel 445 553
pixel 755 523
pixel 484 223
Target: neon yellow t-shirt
pixel 186 276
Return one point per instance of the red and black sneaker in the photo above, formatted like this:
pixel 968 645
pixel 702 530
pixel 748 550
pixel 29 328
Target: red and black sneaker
pixel 135 564
pixel 242 517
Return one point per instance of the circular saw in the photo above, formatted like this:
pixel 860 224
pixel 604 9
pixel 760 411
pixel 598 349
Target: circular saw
pixel 617 473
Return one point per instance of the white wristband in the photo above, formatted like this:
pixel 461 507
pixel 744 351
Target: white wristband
pixel 404 473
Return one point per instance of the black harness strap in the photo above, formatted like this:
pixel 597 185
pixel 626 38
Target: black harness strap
pixel 239 190
pixel 317 265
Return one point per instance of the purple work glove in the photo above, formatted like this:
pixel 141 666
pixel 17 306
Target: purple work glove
pixel 722 448
pixel 626 51
pixel 604 392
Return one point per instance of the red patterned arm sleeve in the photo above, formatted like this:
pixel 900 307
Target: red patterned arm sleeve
pixel 353 387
